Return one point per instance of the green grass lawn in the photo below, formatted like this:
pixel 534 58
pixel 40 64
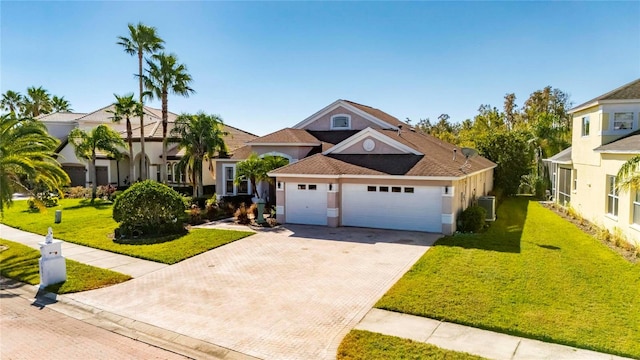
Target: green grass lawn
pixel 531 274
pixel 92 225
pixel 20 262
pixel 365 345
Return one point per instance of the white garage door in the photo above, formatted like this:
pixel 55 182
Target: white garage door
pixel 306 203
pixel 392 207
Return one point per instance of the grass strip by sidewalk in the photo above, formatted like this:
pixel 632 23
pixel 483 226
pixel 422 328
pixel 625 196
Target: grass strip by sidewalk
pixel 91 225
pixel 20 262
pixel 532 274
pixel 366 345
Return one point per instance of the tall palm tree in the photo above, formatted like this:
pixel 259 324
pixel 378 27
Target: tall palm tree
pixel 166 76
pixel 142 39
pixel 60 104
pixel 36 102
pixel 126 107
pixel 628 177
pixel 201 136
pixel 26 153
pixel 87 144
pixel 11 101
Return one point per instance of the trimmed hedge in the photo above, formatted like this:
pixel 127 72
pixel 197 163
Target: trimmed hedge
pixel 473 219
pixel 148 208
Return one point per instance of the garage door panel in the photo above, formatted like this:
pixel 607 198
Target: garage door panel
pixel 306 206
pixel 420 210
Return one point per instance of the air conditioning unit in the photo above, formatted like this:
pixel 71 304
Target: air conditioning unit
pixel 489 204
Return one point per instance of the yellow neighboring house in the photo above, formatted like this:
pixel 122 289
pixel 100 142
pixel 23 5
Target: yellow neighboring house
pixel 605 135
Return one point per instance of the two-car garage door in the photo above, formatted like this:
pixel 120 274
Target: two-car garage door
pixel 392 207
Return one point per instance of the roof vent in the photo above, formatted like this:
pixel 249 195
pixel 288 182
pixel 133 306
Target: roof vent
pixel 455 151
pixel 399 130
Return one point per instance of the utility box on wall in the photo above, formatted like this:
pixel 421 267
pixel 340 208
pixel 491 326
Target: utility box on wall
pixel 489 204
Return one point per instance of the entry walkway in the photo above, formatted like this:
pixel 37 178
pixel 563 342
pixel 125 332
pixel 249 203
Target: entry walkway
pixel 474 341
pixel 124 264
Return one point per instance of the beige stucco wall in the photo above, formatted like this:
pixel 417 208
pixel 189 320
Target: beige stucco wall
pixel 380 148
pixel 357 122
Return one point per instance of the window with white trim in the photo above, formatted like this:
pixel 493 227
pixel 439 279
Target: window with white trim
pixel 340 122
pixel 623 121
pixel 612 196
pixel 229 173
pixel 636 208
pixel 585 126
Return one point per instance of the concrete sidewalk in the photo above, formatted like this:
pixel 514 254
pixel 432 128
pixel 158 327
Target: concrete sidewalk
pixel 474 341
pixel 103 259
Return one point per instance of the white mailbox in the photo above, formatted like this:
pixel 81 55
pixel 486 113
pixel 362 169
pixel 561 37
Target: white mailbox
pixel 53 266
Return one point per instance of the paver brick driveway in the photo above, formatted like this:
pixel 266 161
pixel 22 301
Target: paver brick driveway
pixel 287 294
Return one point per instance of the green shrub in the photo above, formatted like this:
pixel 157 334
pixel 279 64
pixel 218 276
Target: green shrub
pixel 148 208
pixel 45 199
pixel 242 213
pixel 472 219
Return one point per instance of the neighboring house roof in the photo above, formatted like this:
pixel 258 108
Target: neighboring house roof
pixel 287 136
pixel 60 117
pixel 630 91
pixel 563 157
pixel 628 144
pixel 438 160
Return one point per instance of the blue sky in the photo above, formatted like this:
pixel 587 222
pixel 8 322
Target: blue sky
pixel 267 65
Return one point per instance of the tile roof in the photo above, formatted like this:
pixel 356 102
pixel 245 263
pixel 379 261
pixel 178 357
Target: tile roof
pixel 630 91
pixel 60 116
pixel 286 136
pixel 627 144
pixel 437 160
pixel 378 114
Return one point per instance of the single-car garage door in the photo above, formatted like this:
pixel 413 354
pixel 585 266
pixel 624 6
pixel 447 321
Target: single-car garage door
pixel 392 207
pixel 306 203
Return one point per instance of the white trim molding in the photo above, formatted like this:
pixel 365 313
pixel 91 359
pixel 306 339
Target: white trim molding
pixel 333 212
pixel 448 219
pixel 341 103
pixel 279 210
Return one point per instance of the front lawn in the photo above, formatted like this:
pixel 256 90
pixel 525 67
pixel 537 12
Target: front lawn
pixel 365 345
pixel 92 225
pixel 20 262
pixel 531 274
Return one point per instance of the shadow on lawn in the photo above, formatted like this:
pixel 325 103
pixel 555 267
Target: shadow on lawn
pixel 97 204
pixel 503 235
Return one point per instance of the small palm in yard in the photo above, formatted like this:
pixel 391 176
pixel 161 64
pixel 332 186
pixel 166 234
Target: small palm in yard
pixel 88 143
pixel 26 154
pixel 126 107
pixel 255 169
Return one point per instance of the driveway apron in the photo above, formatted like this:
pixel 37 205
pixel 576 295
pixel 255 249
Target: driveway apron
pixel 289 293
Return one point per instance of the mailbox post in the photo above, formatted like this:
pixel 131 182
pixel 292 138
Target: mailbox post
pixel 53 266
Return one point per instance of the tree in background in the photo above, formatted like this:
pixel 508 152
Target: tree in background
pixel 88 143
pixel 11 101
pixel 126 107
pixel 142 39
pixel 165 75
pixel 201 136
pixel 26 155
pixel 36 102
pixel 60 104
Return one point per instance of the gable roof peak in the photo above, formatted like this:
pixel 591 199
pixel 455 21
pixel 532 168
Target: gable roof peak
pixel 629 91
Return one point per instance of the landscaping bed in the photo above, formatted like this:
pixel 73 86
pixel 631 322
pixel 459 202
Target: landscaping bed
pixel 20 262
pixel 92 225
pixel 532 274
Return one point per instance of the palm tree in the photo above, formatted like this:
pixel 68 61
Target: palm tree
pixel 255 169
pixel 36 102
pixel 26 154
pixel 142 39
pixel 86 144
pixel 201 136
pixel 11 101
pixel 60 104
pixel 166 76
pixel 628 177
pixel 126 107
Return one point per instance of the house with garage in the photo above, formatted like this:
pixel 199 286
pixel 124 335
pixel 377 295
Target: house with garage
pixel 606 134
pixel 354 165
pixel 116 171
